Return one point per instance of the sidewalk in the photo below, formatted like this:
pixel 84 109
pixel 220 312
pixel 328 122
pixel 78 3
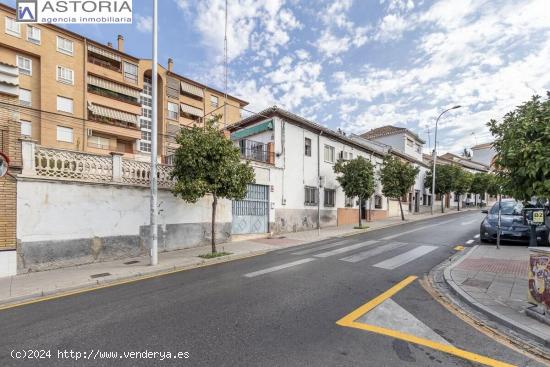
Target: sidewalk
pixel 71 279
pixel 495 283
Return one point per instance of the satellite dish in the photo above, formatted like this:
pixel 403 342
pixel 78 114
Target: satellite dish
pixel 4 164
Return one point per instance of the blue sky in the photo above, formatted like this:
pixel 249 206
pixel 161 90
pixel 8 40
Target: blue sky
pixel 359 64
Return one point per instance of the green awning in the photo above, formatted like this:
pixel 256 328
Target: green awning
pixel 253 130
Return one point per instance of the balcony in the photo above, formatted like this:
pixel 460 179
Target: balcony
pixel 256 151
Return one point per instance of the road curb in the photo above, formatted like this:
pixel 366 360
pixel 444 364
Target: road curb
pixel 118 280
pixel 491 314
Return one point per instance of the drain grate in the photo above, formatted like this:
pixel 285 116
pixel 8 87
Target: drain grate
pixel 99 275
pixel 131 262
pixel 478 283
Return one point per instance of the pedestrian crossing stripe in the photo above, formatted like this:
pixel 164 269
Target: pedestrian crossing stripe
pixel 351 321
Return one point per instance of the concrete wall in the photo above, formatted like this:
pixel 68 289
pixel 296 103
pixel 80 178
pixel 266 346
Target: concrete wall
pixel 61 224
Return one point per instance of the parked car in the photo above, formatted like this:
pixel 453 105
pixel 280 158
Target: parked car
pixel 513 227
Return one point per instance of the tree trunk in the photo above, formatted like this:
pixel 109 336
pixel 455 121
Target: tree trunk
pixel 401 208
pixel 458 204
pixel 443 197
pixel 360 202
pixel 214 205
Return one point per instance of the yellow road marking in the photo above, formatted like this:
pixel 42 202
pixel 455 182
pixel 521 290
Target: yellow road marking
pixel 115 283
pixel 459 248
pixel 349 321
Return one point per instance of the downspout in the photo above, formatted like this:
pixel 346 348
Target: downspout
pixel 85 96
pixel 283 152
pixel 319 183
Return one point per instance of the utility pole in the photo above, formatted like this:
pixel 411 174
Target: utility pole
pixel 435 156
pixel 154 139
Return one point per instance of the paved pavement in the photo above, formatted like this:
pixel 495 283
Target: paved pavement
pixel 38 284
pixel 496 283
pixel 344 301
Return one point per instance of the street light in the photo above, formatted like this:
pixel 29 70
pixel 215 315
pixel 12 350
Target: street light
pixel 435 155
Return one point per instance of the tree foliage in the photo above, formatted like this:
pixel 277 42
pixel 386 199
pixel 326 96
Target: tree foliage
pixel 397 178
pixel 480 183
pixel 207 162
pixel 462 183
pixel 445 180
pixel 356 177
pixel 522 142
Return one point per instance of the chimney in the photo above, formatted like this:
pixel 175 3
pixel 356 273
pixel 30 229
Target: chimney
pixel 170 64
pixel 120 43
pixel 109 44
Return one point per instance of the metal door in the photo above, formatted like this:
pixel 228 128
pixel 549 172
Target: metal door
pixel 251 215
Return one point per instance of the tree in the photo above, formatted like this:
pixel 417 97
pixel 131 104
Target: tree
pixel 463 183
pixel 397 178
pixel 480 184
pixel 445 175
pixel 356 178
pixel 207 162
pixel 522 142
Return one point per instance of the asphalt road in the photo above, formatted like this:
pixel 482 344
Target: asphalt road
pixel 279 309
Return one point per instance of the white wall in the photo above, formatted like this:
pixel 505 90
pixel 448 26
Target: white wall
pixel 58 211
pixel 484 156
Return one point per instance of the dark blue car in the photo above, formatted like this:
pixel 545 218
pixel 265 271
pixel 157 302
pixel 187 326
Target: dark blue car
pixel 513 227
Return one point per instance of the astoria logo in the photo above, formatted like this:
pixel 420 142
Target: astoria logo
pixel 74 11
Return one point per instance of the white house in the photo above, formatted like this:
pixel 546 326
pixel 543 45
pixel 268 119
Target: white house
pixel 484 154
pixel 296 187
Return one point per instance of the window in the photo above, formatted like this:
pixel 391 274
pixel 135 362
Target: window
pixel 329 154
pixel 145 112
pixel 173 111
pixel 130 72
pixel 65 75
pixel 99 142
pixel 24 64
pixel 214 101
pixel 145 123
pixel 329 197
pixel 64 104
pixel 146 116
pixel 410 143
pixel 25 98
pixel 307 147
pixel 12 27
pixel 310 195
pixel 378 201
pixel 26 128
pixel 65 46
pixel 33 34
pixel 64 134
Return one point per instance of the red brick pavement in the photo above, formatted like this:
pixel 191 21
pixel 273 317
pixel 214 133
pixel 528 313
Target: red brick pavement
pixel 518 268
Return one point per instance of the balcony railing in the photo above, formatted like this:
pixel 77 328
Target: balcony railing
pixel 256 151
pixel 103 63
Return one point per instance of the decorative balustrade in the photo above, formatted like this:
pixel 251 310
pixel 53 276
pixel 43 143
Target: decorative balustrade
pixel 69 165
pixel 77 166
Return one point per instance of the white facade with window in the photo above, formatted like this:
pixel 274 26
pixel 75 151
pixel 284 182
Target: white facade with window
pixel 25 97
pixel 302 181
pixel 130 72
pixel 214 101
pixel 64 104
pixel 173 111
pixel 34 34
pixel 26 128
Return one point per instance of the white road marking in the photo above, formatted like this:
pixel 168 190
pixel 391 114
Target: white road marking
pixel 390 315
pixel 416 229
pixel 323 247
pixel 468 222
pixel 279 267
pixel 476 236
pixel 341 250
pixel 469 242
pixel 375 251
pixel 406 257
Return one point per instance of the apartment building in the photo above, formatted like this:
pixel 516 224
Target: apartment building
pixel 82 95
pixel 296 187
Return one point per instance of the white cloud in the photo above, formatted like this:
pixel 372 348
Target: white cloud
pixel 144 24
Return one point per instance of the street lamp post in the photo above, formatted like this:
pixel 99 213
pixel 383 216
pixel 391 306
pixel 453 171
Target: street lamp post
pixel 153 209
pixel 435 155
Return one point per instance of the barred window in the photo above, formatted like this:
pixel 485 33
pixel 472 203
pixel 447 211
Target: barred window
pixel 311 195
pixel 329 197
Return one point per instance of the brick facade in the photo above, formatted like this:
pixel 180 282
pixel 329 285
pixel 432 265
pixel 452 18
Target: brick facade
pixel 10 145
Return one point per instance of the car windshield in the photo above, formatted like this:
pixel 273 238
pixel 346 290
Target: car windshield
pixel 508 208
